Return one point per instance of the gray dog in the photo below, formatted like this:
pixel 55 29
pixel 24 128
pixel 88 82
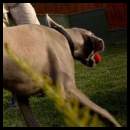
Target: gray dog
pixel 49 50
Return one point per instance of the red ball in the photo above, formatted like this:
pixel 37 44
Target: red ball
pixel 97 58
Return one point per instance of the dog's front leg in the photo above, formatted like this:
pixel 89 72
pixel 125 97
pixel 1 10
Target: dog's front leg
pixel 25 108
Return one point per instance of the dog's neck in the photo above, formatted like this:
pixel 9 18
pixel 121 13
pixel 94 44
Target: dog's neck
pixel 68 37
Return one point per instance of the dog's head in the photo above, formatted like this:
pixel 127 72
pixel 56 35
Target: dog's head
pixel 83 43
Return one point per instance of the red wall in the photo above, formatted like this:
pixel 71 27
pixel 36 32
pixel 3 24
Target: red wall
pixel 116 13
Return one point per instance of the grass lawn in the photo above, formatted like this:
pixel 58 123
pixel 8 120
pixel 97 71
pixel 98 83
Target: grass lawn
pixel 106 84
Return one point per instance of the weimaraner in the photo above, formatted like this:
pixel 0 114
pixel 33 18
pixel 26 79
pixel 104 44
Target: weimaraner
pixel 43 47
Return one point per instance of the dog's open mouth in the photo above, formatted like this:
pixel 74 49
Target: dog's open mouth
pixel 92 60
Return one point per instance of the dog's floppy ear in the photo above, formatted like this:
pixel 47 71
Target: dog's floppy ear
pixel 47 20
pixel 97 43
pixel 51 23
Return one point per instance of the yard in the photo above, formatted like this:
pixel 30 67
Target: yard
pixel 106 84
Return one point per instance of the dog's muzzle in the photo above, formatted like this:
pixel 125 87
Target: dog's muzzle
pixel 90 62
